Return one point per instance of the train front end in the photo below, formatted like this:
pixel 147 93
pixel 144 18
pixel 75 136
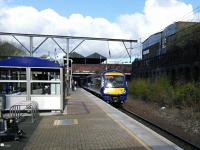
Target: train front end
pixel 114 87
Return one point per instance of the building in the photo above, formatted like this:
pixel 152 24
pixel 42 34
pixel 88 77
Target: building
pixel 156 44
pixel 174 52
pixel 152 46
pixel 83 66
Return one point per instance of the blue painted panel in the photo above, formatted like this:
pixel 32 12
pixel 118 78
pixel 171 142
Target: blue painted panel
pixel 28 62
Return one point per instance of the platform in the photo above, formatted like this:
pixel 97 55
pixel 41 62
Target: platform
pixel 88 123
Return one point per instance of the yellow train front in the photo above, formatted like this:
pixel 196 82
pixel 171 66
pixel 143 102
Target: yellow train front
pixel 111 85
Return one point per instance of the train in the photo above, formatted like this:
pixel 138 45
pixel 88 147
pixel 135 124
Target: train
pixel 110 85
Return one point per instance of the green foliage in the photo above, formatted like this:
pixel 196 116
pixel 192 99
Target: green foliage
pixel 139 88
pixel 162 92
pixel 187 94
pixel 7 49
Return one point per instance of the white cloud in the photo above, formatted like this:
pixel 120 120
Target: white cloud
pixel 24 19
pixel 156 15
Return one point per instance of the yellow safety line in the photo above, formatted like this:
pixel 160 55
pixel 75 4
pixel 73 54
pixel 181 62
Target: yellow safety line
pixel 131 133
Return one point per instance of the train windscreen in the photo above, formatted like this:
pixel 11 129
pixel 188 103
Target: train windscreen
pixel 112 81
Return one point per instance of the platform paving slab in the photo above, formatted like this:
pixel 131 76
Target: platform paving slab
pixel 139 131
pixel 90 124
pixel 92 130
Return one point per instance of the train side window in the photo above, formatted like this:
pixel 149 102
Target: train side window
pixel 98 82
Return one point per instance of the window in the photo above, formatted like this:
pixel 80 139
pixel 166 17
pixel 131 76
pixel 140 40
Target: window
pixel 114 81
pixel 146 52
pixel 13 81
pixel 12 74
pixel 45 81
pixel 10 88
pixel 45 74
pixel 45 88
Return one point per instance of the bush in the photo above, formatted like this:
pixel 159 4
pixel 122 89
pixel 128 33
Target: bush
pixel 187 94
pixel 162 92
pixel 139 88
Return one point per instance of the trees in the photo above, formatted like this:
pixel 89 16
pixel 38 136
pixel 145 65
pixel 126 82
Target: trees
pixel 7 49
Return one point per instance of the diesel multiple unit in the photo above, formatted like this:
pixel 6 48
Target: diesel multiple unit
pixel 111 85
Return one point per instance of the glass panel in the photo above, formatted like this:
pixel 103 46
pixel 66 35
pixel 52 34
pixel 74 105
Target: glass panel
pixel 45 88
pixel 45 74
pixel 12 74
pixel 114 81
pixel 13 88
pixel 96 82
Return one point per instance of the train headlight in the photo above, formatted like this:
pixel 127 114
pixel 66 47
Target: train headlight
pixel 124 91
pixel 105 91
pixel 109 85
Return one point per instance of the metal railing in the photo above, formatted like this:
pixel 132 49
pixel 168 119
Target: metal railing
pixel 25 107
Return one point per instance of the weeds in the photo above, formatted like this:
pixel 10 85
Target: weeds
pixel 161 91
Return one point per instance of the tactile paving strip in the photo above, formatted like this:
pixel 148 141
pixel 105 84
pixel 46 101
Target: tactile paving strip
pixel 65 122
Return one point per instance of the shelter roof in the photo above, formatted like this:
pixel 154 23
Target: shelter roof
pixel 96 56
pixel 75 55
pixel 18 61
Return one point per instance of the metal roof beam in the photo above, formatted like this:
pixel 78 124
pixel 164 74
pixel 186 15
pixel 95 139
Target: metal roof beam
pixel 67 37
pixel 21 44
pixel 59 45
pixel 126 49
pixel 40 45
pixel 77 46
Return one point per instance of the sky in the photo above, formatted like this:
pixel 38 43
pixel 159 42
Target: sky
pixel 128 19
pixel 109 9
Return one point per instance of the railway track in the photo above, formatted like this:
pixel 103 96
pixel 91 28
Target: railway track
pixel 185 144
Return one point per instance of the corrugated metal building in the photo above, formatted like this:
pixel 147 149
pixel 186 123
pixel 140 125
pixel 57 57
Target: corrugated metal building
pixel 156 44
pixel 174 52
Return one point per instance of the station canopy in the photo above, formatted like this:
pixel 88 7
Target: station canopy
pixel 94 58
pixel 24 61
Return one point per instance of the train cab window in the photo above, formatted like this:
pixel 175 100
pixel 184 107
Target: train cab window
pixel 114 81
pixel 98 82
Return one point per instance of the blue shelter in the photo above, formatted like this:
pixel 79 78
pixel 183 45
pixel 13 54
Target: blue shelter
pixel 31 79
pixel 17 61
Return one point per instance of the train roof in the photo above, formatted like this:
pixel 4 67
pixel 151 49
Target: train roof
pixel 108 72
pixel 111 70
